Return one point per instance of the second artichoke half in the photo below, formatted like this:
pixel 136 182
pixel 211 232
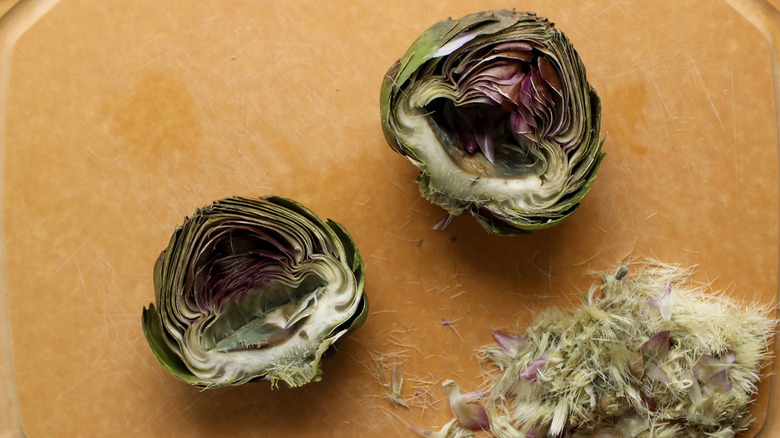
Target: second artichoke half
pixel 254 289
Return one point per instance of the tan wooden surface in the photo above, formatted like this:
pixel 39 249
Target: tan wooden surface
pixel 124 117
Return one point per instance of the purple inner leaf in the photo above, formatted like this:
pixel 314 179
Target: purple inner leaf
pixel 720 382
pixel 532 372
pixel 657 347
pixel 713 371
pixel 466 409
pixel 509 344
pixel 511 90
pixel 664 304
pixel 236 262
pixel 704 367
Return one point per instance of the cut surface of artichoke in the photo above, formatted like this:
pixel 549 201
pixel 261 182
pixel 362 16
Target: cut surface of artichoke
pixel 496 112
pixel 524 192
pixel 254 288
pixel 243 340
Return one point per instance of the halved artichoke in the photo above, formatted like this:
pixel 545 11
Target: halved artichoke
pixel 496 112
pixel 254 288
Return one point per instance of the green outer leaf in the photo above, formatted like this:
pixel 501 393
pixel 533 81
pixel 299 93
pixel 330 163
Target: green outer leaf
pixel 155 335
pixel 421 51
pixel 385 98
pixel 486 22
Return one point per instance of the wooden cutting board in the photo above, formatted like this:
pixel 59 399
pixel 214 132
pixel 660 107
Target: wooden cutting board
pixel 122 118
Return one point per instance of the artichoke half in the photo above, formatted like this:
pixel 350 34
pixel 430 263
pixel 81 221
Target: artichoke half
pixel 496 112
pixel 254 288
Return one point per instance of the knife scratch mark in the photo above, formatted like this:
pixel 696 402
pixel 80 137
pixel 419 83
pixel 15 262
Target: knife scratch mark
pixel 84 288
pixel 706 92
pixel 73 253
pixel 603 11
pixel 663 103
pixel 589 259
pixel 400 188
pixel 82 380
pixel 734 120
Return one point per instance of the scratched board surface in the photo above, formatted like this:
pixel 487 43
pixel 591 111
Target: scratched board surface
pixel 124 117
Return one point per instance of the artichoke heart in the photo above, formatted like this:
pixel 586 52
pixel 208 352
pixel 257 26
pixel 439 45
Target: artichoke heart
pixel 254 289
pixel 496 112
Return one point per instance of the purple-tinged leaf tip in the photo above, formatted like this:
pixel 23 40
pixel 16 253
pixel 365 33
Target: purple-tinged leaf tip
pixel 664 304
pixel 485 142
pixel 443 223
pixel 466 408
pixel 510 344
pixel 532 372
pixel 657 347
pixel 713 371
pixel 720 382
